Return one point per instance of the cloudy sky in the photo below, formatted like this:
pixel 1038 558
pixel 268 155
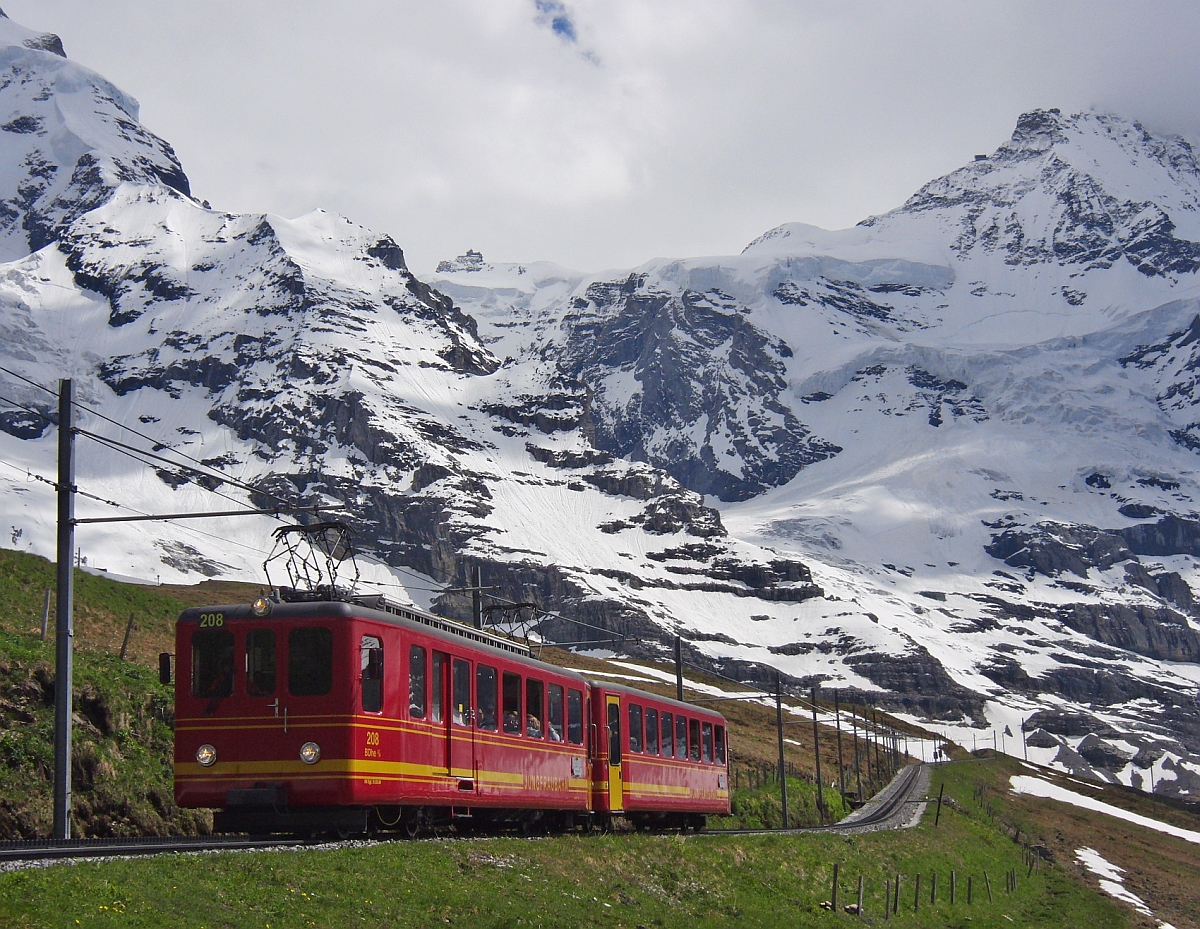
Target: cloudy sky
pixel 602 133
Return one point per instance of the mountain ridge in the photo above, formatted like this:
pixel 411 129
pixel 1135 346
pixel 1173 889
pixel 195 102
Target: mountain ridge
pixel 796 458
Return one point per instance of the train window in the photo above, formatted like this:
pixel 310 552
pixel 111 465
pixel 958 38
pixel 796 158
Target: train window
pixel 440 660
pixel 651 731
pixel 680 736
pixel 706 742
pixel 310 661
pixel 461 698
pixel 694 738
pixel 416 682
pixel 720 743
pixel 371 661
pixel 575 717
pixel 667 742
pixel 512 703
pixel 485 696
pixel 533 708
pixel 635 728
pixel 554 712
pixel 260 662
pixel 614 733
pixel 212 663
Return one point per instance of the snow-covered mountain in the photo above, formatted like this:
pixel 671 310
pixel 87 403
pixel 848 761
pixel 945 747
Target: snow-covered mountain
pixel 945 458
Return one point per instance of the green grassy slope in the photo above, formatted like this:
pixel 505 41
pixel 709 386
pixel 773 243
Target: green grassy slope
pixel 604 881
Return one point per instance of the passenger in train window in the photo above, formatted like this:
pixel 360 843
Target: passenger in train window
pixel 667 742
pixel 681 736
pixel 706 742
pixel 554 712
pixel 694 738
pixel 720 737
pixel 512 703
pixel 485 696
pixel 651 731
pixel 533 708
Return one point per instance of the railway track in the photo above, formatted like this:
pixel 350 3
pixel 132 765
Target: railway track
pixel 882 812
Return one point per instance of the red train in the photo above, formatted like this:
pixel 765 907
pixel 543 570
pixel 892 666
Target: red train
pixel 356 716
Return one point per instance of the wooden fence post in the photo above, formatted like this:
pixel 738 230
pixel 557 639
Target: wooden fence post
pixel 125 642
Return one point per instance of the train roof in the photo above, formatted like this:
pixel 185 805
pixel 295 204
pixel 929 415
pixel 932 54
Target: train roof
pixel 412 619
pixel 645 694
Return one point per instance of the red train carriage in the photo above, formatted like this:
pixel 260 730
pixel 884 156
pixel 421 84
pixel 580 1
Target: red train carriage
pixel 662 762
pixel 335 715
pixel 355 715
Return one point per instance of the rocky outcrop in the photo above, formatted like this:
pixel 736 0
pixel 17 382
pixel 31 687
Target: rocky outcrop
pixel 917 682
pixel 632 344
pixel 1054 548
pixel 1155 633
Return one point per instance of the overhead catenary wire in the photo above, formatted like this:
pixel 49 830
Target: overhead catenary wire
pixel 203 469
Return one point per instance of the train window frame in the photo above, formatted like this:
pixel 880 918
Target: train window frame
pixel 262 672
pixel 461 711
pixel 719 743
pixel 438 679
pixel 488 711
pixel 310 663
pixel 681 737
pixel 417 679
pixel 651 731
pixel 574 716
pixel 212 663
pixel 535 719
pixel 554 720
pixel 635 727
pixel 614 734
pixel 666 743
pixel 706 742
pixel 693 739
pixel 511 702
pixel 370 652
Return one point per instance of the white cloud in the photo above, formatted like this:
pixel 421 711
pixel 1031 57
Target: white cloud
pixel 628 130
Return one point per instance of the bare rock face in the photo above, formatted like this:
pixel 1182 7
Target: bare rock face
pixel 626 331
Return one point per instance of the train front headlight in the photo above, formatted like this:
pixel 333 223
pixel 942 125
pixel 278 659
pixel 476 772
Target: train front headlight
pixel 310 752
pixel 206 755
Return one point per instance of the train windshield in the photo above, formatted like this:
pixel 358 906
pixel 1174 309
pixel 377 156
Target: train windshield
pixel 212 663
pixel 310 661
pixel 260 662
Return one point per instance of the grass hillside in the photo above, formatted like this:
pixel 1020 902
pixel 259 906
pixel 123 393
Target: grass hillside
pixel 123 719
pixel 599 881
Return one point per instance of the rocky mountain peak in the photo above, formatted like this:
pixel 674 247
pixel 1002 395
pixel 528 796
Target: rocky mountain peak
pixel 1037 131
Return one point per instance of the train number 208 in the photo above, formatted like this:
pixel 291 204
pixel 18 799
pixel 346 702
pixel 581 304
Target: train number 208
pixel 212 620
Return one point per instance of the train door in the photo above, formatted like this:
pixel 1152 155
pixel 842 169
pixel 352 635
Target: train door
pixel 439 699
pixel 462 725
pixel 616 799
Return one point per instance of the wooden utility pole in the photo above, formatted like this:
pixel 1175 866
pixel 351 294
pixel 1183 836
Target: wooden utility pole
pixel 679 669
pixel 64 618
pixel 837 713
pixel 782 763
pixel 817 752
